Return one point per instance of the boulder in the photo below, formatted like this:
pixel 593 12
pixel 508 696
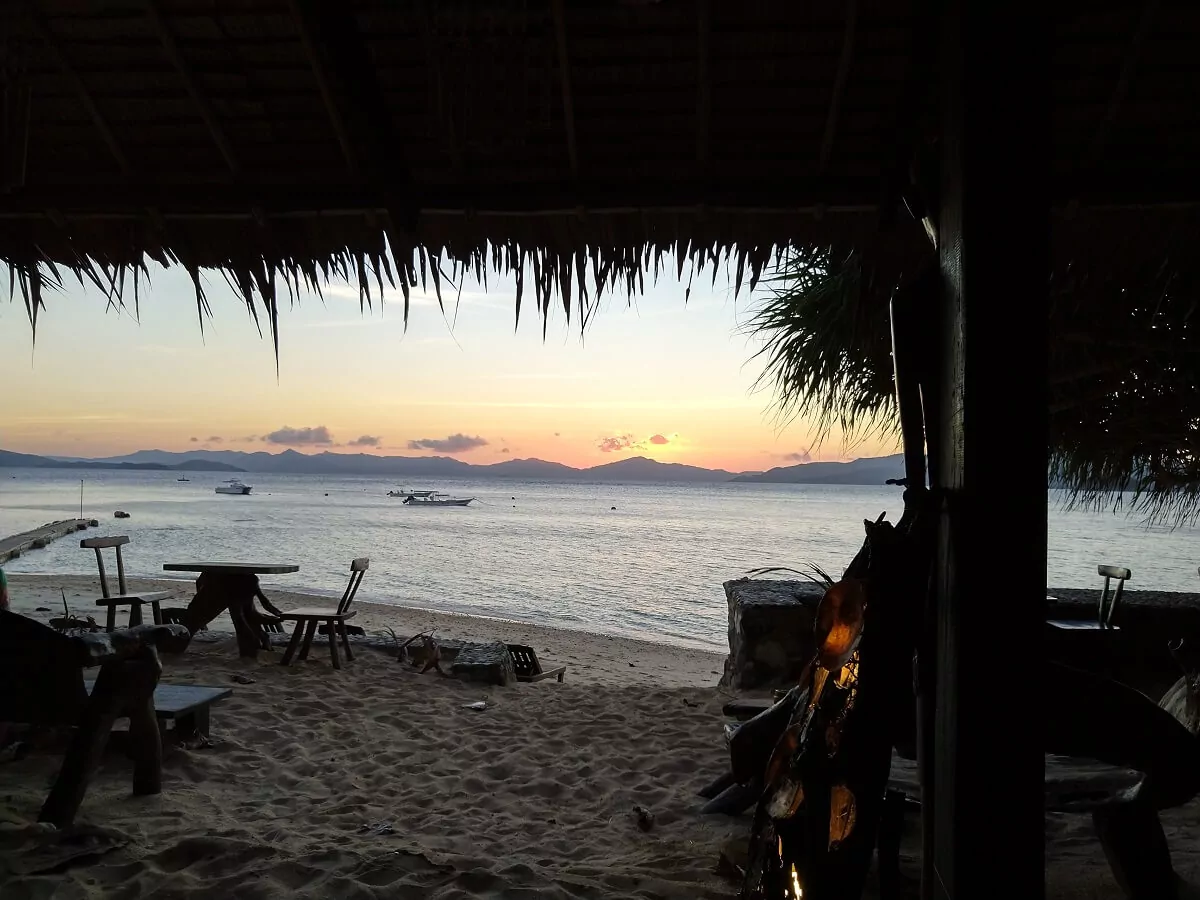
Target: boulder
pixel 487 663
pixel 770 631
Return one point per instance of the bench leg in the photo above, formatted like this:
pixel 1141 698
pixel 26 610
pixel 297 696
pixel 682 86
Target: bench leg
pixel 331 626
pixel 346 643
pixel 293 644
pixel 1137 852
pixel 310 631
pixel 195 722
pixel 145 745
pixel 110 621
pixel 135 615
pixel 156 611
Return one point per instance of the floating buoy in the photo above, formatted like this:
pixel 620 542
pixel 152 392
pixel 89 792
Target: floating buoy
pixel 614 507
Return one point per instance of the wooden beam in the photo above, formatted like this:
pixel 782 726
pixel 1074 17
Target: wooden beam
pixel 445 115
pixel 564 78
pixel 1121 90
pixel 839 84
pixel 320 70
pixel 703 84
pixel 994 257
pixel 203 105
pixel 85 96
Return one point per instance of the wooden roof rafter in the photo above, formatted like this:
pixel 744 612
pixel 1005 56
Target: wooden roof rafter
pixel 703 85
pixel 839 85
pixel 51 43
pixel 203 105
pixel 564 77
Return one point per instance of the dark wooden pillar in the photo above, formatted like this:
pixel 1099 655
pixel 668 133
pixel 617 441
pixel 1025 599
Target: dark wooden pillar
pixel 993 236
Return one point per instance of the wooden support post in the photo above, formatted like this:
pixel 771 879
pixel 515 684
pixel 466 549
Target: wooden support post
pixel 993 235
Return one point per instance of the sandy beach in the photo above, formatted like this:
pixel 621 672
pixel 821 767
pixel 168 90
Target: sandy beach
pixel 532 797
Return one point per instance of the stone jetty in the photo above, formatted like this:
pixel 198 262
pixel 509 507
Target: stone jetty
pixel 19 544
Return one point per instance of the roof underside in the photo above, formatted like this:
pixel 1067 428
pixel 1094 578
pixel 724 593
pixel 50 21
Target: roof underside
pixel 303 133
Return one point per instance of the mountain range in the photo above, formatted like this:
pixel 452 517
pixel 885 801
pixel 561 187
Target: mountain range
pixel 290 462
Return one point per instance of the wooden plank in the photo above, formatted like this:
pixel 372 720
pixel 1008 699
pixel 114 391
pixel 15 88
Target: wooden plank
pixel 173 700
pixel 993 243
pixel 19 544
pixel 233 568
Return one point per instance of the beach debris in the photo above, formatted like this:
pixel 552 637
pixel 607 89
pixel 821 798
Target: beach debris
pixel 120 514
pixel 377 828
pixel 477 705
pixel 70 624
pixel 643 817
pixel 428 655
pixel 42 609
pixel 242 679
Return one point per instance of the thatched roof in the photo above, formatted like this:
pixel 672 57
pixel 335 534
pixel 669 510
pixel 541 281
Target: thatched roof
pixel 579 144
pixel 286 140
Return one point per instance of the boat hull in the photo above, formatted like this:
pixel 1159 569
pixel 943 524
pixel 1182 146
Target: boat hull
pixel 242 491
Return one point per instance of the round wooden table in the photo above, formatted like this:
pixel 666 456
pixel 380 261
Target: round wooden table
pixel 232 586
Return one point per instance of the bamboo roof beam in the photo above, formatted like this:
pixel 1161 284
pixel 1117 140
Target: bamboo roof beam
pixel 85 96
pixel 703 84
pixel 302 14
pixel 1128 66
pixel 564 78
pixel 839 84
pixel 203 104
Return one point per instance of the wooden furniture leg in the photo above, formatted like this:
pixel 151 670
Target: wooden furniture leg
pixel 121 688
pixel 135 615
pixel 110 621
pixel 145 742
pixel 310 630
pixel 293 644
pixel 331 627
pixel 1136 848
pixel 156 611
pixel 346 643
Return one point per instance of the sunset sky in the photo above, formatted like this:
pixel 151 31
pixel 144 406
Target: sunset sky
pixel 661 379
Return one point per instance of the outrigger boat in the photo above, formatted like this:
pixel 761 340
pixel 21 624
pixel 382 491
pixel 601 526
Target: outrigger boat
pixel 434 498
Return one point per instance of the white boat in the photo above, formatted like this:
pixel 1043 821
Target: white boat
pixel 233 486
pixel 405 493
pixel 434 498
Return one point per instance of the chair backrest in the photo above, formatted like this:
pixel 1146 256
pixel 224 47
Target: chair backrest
pixel 1108 605
pixel 102 543
pixel 358 568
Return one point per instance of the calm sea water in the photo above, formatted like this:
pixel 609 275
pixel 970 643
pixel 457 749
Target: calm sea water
pixel 550 553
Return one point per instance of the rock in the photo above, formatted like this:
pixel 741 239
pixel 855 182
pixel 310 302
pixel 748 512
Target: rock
pixel 487 663
pixel 120 514
pixel 770 631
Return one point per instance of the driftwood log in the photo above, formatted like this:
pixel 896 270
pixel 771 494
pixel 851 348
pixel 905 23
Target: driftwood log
pixel 50 668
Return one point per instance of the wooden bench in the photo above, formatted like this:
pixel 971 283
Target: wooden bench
pixel 122 597
pixel 186 705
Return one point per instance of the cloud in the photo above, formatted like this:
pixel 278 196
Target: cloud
pixel 558 434
pixel 800 456
pixel 619 442
pixel 455 443
pixel 214 440
pixel 659 439
pixel 505 450
pixel 248 439
pixel 366 440
pixel 296 436
pixel 194 440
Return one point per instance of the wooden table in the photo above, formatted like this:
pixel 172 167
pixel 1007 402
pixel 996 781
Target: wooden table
pixel 232 586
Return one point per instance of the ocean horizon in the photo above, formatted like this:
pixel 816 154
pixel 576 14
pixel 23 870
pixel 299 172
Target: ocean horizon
pixel 641 560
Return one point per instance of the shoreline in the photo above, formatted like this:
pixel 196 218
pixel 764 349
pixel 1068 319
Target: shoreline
pixel 590 658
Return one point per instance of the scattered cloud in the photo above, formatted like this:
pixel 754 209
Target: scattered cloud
pixel 505 450
pixel 800 456
pixel 248 439
pixel 619 442
pixel 299 436
pixel 659 439
pixel 366 440
pixel 194 440
pixel 558 434
pixel 215 439
pixel 455 443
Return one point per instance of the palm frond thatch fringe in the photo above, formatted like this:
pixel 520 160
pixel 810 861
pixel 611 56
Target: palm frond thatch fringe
pixel 1124 361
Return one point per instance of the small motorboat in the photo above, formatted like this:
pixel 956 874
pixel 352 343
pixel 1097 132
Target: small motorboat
pixel 434 498
pixel 233 486
pixel 182 478
pixel 405 493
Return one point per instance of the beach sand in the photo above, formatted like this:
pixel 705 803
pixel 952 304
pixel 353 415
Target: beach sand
pixel 530 798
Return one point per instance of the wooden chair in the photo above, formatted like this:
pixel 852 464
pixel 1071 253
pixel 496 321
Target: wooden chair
pixel 1110 599
pixel 123 598
pixel 527 666
pixel 48 667
pixel 308 618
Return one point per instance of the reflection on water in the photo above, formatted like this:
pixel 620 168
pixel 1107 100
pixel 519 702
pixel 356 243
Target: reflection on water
pixel 556 554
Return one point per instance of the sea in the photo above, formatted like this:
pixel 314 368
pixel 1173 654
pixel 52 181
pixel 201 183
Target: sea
pixel 638 560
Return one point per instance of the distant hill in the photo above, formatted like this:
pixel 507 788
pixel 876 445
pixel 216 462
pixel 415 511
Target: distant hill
pixel 11 460
pixel 872 470
pixel 291 462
